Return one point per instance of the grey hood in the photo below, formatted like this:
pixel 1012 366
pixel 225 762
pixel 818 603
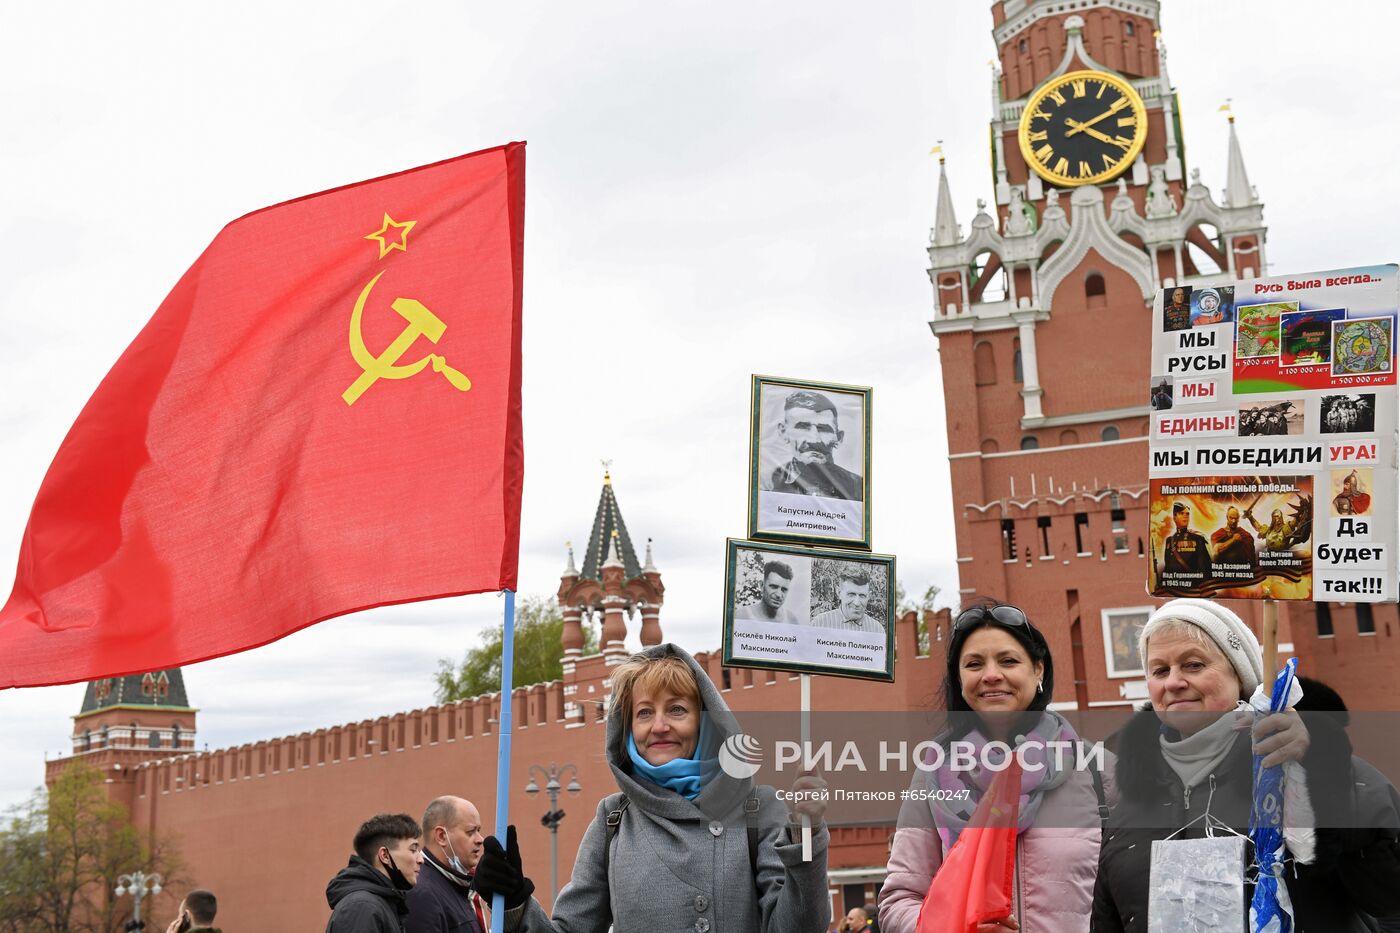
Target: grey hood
pixel 720 797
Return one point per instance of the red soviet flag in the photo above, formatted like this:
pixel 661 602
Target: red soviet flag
pixel 973 885
pixel 323 416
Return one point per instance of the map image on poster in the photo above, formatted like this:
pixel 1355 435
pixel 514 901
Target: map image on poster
pixel 1258 332
pixel 1362 347
pixel 1358 311
pixel 1307 337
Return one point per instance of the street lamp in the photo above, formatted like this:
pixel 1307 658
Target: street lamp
pixel 551 819
pixel 138 884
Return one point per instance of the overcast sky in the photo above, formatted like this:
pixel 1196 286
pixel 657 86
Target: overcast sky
pixel 714 189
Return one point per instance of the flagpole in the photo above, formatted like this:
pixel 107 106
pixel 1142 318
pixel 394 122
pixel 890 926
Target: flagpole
pixel 806 737
pixel 498 900
pixel 1270 639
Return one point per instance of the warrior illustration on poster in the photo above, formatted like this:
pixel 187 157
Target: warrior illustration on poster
pixel 1230 536
pixel 810 462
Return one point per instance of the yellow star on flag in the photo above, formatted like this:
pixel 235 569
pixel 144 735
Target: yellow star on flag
pixel 397 241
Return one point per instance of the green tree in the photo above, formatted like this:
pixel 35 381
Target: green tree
pixel 539 656
pixel 61 853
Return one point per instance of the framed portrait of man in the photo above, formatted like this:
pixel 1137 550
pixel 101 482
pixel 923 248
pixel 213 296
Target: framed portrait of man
pixel 809 479
pixel 1121 628
pixel 809 610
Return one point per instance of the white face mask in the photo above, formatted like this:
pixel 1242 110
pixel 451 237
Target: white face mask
pixel 454 861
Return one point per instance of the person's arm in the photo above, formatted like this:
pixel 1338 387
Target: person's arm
pixel 583 906
pixel 915 858
pixel 360 912
pixel 1104 917
pixel 425 913
pixel 792 894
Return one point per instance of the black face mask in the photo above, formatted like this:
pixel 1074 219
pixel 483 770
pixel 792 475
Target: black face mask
pixel 396 877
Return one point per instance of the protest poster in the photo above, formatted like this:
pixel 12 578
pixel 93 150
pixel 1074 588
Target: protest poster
pixel 809 610
pixel 809 464
pixel 1273 438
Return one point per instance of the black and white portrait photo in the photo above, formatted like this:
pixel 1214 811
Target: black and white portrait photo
pixel 811 462
pixel 1345 414
pixel 811 610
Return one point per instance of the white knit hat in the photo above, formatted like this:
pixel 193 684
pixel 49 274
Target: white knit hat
pixel 1226 629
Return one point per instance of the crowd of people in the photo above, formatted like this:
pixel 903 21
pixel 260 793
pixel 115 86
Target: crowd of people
pixel 685 845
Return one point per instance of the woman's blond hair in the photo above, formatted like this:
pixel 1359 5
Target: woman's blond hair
pixel 655 675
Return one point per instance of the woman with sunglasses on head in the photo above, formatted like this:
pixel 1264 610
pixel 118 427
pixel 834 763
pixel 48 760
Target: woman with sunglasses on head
pixel 1189 755
pixel 999 681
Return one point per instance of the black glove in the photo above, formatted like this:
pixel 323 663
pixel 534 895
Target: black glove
pixel 499 872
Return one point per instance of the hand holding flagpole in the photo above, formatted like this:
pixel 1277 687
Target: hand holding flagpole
pixel 498 900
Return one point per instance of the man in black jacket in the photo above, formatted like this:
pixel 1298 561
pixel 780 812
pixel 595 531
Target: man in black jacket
pixel 442 901
pixel 367 895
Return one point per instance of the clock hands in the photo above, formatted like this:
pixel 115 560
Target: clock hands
pixel 1118 105
pixel 1076 127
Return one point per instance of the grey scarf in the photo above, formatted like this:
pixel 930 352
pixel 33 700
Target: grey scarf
pixel 1194 757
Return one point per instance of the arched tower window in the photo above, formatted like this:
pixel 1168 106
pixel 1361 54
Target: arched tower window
pixel 155 739
pixel 87 739
pixel 984 365
pixel 990 446
pixel 1016 372
pixel 1030 442
pixel 1110 433
pixel 1069 437
pixel 1094 290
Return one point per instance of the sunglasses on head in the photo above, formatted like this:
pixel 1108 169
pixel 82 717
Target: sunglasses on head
pixel 1009 616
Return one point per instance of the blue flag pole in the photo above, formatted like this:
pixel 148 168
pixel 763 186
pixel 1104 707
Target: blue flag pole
pixel 498 901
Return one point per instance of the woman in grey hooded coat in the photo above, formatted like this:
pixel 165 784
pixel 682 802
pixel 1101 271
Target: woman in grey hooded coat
pixel 677 855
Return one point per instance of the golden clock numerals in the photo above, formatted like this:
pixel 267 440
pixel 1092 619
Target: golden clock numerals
pixel 1091 111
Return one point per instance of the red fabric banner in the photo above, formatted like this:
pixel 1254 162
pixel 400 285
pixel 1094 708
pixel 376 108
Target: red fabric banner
pixel 973 885
pixel 323 416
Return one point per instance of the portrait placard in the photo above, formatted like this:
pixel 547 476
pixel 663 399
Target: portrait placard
pixel 809 610
pixel 809 464
pixel 1121 628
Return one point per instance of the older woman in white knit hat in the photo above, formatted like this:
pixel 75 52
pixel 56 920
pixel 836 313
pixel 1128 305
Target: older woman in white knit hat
pixel 1191 754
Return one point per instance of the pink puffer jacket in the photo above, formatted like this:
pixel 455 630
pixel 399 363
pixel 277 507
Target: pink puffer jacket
pixel 1056 862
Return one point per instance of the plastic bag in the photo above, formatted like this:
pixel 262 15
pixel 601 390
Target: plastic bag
pixel 1197 885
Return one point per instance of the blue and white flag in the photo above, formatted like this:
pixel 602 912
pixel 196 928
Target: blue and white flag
pixel 1270 910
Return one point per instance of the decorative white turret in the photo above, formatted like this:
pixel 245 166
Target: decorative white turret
pixel 1238 191
pixel 945 226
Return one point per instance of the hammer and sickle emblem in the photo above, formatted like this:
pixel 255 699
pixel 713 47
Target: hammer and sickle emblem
pixel 421 323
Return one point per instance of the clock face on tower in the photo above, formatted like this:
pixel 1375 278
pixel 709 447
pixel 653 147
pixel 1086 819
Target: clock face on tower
pixel 1082 128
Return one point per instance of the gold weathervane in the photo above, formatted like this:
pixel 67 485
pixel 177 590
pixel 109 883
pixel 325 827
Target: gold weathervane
pixel 421 323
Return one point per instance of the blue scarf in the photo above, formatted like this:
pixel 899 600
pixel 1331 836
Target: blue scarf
pixel 685 776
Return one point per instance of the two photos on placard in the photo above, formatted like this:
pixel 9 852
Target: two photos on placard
pixel 804 594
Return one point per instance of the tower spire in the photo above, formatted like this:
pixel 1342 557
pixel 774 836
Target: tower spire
pixel 945 225
pixel 1238 191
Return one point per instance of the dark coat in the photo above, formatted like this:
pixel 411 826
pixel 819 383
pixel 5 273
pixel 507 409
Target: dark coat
pixel 1356 870
pixel 438 905
pixel 827 480
pixel 363 901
